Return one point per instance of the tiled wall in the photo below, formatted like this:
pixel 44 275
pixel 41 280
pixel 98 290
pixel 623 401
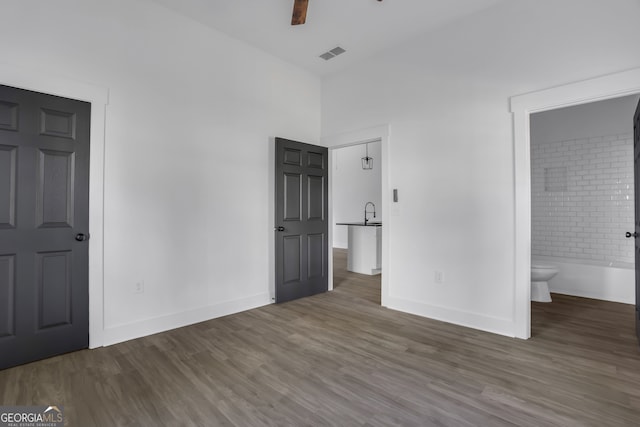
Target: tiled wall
pixel 582 199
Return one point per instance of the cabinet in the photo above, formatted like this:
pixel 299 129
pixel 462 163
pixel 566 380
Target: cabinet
pixel 364 254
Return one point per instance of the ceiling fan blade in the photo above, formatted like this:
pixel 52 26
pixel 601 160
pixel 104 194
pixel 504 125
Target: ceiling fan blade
pixel 299 12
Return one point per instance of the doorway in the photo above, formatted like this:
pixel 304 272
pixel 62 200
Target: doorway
pixel 380 133
pixel 522 106
pixel 356 187
pixel 582 198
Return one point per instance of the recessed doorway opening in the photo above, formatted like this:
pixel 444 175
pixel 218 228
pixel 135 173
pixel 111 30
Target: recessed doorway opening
pixel 357 219
pixel 378 134
pixel 582 197
pixel 522 106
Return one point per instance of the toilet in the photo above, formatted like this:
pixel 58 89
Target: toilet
pixel 540 275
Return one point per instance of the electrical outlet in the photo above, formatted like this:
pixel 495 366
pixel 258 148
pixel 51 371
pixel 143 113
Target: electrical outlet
pixel 138 287
pixel 438 276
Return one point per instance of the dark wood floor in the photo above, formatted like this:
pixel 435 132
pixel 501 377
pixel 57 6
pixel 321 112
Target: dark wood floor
pixel 340 359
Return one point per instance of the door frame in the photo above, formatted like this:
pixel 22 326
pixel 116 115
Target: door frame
pixel 99 98
pixel 333 142
pixel 522 106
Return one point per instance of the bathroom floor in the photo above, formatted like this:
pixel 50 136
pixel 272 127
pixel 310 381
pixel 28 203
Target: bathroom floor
pixel 591 322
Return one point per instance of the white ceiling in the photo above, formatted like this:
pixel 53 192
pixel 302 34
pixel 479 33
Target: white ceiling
pixel 362 27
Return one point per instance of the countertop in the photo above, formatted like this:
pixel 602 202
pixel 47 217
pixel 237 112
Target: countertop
pixel 362 224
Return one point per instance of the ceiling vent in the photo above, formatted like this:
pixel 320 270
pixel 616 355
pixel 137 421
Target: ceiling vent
pixel 332 53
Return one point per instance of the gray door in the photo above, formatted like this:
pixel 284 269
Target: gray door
pixel 636 165
pixel 44 206
pixel 302 246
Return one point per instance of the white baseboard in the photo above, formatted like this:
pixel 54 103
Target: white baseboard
pixel 494 325
pixel 159 324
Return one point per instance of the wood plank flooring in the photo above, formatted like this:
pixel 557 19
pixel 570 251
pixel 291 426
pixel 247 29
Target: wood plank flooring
pixel 339 359
pixel 353 284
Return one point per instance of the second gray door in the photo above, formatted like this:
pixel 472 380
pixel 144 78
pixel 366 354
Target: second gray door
pixel 44 223
pixel 302 245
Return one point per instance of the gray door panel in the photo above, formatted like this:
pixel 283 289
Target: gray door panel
pixel 44 203
pixel 7 293
pixel 301 214
pixel 8 186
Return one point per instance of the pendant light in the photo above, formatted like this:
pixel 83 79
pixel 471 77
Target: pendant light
pixel 367 162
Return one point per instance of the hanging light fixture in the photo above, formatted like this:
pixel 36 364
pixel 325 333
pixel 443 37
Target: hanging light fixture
pixel 367 162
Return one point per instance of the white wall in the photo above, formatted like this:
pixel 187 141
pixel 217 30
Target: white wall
pixel 188 157
pixel 602 118
pixel 352 187
pixel 445 97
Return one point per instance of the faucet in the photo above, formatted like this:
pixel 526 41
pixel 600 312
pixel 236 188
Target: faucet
pixel 366 211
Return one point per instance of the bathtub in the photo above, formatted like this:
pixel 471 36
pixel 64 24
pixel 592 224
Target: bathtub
pixel 605 281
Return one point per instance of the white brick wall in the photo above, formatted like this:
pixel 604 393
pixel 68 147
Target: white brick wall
pixel 592 207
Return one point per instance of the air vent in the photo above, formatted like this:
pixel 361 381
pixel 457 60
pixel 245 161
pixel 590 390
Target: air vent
pixel 332 53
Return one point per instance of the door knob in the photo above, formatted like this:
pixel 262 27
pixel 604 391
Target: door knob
pixel 278 228
pixel 80 237
pixel 635 234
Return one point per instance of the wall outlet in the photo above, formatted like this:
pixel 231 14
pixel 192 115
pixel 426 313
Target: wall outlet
pixel 138 287
pixel 438 276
